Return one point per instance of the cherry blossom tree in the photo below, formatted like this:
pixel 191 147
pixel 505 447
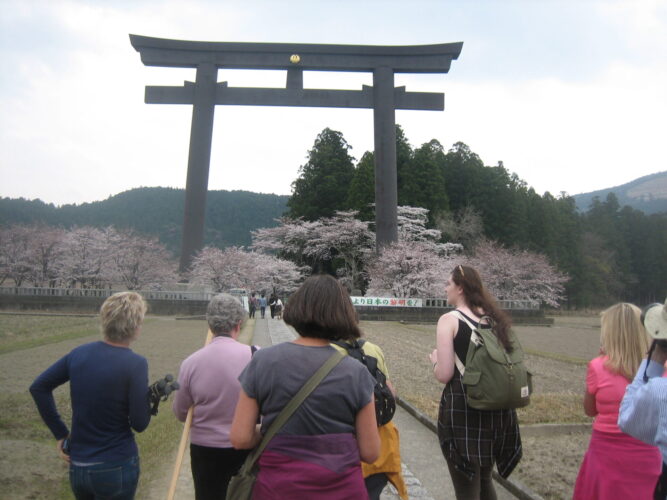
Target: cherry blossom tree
pixel 412 225
pixel 513 274
pixel 279 276
pixel 235 267
pixel 15 253
pixel 138 262
pixel 345 238
pixel 341 238
pixel 84 258
pixel 409 269
pixel 346 242
pixel 46 247
pixel 291 240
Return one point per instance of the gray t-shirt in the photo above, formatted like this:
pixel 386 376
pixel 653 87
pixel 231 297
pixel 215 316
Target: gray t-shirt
pixel 276 373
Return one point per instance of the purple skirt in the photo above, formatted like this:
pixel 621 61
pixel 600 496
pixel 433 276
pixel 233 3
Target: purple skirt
pixel 324 467
pixel 617 466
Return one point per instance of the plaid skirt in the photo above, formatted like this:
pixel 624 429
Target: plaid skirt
pixel 469 436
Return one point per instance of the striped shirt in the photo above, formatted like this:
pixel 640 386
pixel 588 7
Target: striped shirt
pixel 643 412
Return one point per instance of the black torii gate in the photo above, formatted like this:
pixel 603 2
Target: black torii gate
pixel 206 92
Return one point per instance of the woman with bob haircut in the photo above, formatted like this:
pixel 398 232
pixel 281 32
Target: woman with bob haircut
pixel 317 453
pixel 208 380
pixel 616 465
pixel 472 441
pixel 109 397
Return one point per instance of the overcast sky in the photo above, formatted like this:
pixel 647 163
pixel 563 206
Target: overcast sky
pixel 569 94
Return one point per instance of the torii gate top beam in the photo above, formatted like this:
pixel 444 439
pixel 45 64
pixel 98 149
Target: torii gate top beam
pixel 313 57
pixel 206 92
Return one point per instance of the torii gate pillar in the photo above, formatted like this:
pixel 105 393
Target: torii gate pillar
pixel 386 179
pixel 205 93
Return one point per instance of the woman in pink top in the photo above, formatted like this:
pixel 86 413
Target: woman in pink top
pixel 616 465
pixel 208 380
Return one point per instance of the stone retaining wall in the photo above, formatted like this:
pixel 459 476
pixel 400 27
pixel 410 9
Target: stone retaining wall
pixel 92 305
pixel 198 308
pixel 431 315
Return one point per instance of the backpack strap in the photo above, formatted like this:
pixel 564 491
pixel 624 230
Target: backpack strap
pixel 356 351
pixel 475 338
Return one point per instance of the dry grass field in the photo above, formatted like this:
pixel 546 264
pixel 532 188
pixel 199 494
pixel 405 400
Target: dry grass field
pixel 28 344
pixel 32 469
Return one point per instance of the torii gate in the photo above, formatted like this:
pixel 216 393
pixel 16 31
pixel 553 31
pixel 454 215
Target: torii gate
pixel 206 92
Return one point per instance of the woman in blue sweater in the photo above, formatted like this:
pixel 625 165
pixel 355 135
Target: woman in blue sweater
pixel 108 389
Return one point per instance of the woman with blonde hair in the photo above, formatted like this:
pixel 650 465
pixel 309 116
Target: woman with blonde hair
pixel 109 393
pixel 616 465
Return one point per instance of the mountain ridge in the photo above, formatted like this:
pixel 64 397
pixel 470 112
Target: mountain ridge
pixel 158 211
pixel 647 193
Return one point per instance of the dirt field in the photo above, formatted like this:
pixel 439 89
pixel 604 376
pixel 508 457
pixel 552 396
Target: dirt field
pixel 558 357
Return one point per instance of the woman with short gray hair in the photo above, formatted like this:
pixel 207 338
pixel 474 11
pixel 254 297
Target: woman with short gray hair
pixel 223 313
pixel 208 380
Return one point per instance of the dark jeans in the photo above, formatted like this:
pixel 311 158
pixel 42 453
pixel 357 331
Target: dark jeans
pixel 262 310
pixel 252 311
pixel 108 481
pixel 375 483
pixel 479 487
pixel 212 468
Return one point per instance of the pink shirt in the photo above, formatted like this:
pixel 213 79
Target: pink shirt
pixel 209 381
pixel 608 389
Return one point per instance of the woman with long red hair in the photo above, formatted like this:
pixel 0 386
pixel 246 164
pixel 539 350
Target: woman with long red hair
pixel 471 440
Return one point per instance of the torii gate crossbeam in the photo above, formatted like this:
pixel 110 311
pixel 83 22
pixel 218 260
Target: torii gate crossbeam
pixel 205 93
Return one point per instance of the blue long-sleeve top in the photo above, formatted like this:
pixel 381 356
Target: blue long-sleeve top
pixel 643 411
pixel 109 394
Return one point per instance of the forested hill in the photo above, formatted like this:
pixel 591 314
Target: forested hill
pixel 230 215
pixel 648 194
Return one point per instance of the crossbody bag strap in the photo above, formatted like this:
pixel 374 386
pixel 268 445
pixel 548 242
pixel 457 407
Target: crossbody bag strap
pixel 294 403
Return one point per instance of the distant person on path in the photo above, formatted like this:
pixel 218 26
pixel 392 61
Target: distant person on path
pixel 252 305
pixel 109 393
pixel 208 380
pixel 278 308
pixel 643 412
pixel 615 465
pixel 387 468
pixel 262 305
pixel 317 453
pixel 471 440
pixel 272 305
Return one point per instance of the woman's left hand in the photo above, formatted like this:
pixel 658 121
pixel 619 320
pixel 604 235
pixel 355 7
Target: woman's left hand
pixel 63 455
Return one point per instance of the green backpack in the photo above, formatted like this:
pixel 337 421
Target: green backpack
pixel 494 379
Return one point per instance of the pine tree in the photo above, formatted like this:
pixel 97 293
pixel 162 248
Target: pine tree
pixel 323 182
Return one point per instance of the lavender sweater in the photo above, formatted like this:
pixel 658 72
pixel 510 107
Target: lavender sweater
pixel 209 381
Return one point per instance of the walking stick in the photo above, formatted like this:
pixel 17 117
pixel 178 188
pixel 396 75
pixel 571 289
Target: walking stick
pixel 184 442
